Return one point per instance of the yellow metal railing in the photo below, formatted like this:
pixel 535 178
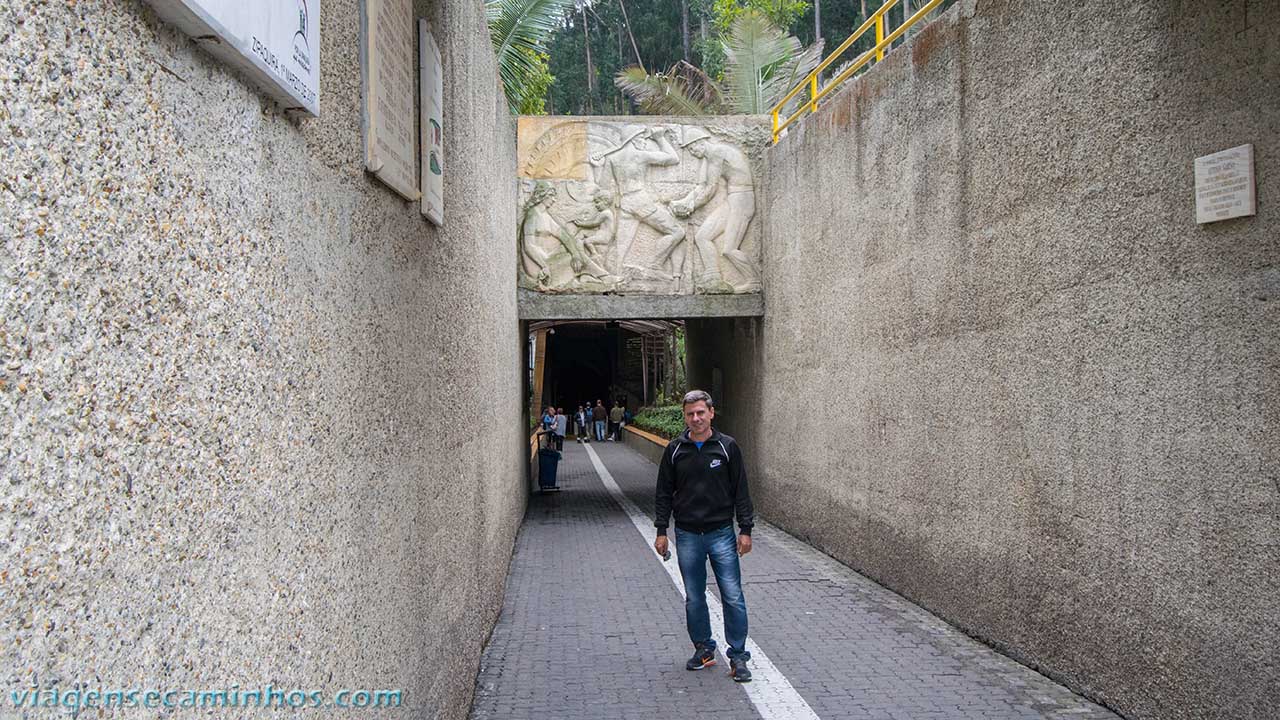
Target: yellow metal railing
pixel 883 42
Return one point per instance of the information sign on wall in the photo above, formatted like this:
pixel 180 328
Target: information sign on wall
pixel 275 42
pixel 432 94
pixel 1225 186
pixel 387 67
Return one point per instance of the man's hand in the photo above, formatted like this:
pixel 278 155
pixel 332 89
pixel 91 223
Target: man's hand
pixel 660 544
pixel 744 544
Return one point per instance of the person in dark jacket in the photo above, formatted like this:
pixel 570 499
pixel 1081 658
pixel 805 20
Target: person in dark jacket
pixel 580 424
pixel 615 421
pixel 702 482
pixel 599 416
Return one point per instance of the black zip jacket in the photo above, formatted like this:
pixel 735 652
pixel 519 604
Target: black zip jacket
pixel 705 487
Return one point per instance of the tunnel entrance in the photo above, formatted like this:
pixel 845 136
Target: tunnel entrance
pixel 645 366
pixel 577 362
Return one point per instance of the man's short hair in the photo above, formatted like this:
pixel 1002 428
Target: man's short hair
pixel 694 396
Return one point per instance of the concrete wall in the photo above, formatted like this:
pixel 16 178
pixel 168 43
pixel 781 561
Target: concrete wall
pixel 1004 372
pixel 724 357
pixel 234 366
pixel 647 444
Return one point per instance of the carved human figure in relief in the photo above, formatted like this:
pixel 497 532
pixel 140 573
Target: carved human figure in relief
pixel 628 167
pixel 597 222
pixel 728 220
pixel 542 236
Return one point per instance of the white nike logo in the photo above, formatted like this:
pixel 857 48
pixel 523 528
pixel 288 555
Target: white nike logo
pixel 715 463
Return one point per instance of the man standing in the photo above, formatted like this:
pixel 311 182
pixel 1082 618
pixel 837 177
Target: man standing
pixel 580 424
pixel 598 417
pixel 615 421
pixel 702 481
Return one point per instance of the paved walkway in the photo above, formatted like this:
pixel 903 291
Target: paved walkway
pixel 592 626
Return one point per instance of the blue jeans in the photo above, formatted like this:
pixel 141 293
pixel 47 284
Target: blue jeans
pixel 600 430
pixel 721 547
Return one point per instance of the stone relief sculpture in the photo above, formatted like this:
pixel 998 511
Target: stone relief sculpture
pixel 610 206
pixel 627 166
pixel 730 217
pixel 599 221
pixel 552 253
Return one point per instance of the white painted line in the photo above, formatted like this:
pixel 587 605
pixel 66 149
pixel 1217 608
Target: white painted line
pixel 769 690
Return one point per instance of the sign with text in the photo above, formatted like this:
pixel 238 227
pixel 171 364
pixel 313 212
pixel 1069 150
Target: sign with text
pixel 432 94
pixel 387 66
pixel 275 42
pixel 1225 185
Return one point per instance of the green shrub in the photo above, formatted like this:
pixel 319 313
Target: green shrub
pixel 666 420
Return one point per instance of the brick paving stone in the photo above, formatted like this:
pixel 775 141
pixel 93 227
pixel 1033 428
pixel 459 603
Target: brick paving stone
pixel 591 621
pixel 591 626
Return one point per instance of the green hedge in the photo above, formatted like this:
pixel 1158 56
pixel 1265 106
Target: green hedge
pixel 665 420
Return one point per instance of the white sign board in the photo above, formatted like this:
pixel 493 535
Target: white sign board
pixel 275 42
pixel 432 94
pixel 390 113
pixel 1225 185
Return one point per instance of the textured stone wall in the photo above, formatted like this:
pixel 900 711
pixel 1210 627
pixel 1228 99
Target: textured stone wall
pixel 250 399
pixel 1004 372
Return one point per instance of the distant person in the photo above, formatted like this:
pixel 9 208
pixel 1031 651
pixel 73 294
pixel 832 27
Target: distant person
pixel 562 427
pixel 542 430
pixel 702 481
pixel 615 422
pixel 598 417
pixel 627 417
pixel 580 424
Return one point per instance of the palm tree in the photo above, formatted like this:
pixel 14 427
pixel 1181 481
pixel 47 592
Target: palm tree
pixel 682 90
pixel 762 63
pixel 519 30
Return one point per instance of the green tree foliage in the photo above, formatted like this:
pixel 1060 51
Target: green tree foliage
pixel 531 97
pixel 519 30
pixel 721 14
pixel 594 42
pixel 599 28
pixel 682 90
pixel 761 63
pixel 781 13
pixel 840 19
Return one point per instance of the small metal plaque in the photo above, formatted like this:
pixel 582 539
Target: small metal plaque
pixel 1225 185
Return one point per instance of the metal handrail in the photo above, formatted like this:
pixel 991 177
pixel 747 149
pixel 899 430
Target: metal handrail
pixel 883 41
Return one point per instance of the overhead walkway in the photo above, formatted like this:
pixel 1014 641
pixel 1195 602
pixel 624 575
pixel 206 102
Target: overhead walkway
pixel 592 626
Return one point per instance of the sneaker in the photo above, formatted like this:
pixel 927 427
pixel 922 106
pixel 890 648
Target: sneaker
pixel 703 656
pixel 738 669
